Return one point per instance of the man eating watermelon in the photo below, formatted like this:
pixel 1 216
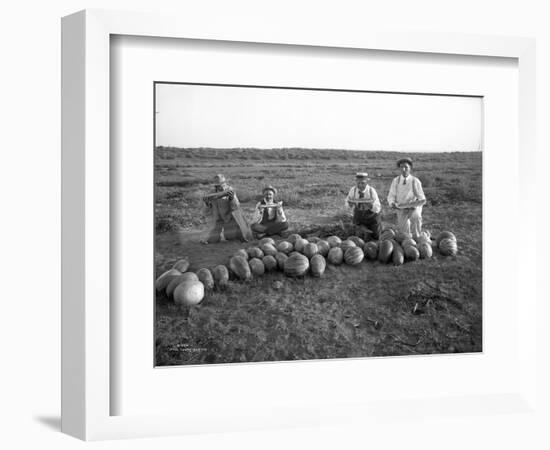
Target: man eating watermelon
pixel 364 202
pixel 269 216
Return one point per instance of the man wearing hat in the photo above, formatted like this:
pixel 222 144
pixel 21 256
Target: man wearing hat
pixel 269 217
pixel 363 200
pixel 407 197
pixel 220 206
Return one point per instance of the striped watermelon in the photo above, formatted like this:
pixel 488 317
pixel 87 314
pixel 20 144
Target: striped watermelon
pixel 357 240
pixel 270 262
pixel 411 253
pixel 285 247
pixel 385 251
pixel 323 247
pixel 387 234
pixel 353 256
pixel 335 256
pixel 318 265
pixel 310 250
pixel 266 240
pixel 268 249
pixel 239 266
pixel 296 266
pixel 242 253
pixel 334 241
pixel 448 247
pixel 256 267
pixel 206 278
pixel 347 244
pixel 163 280
pixel 313 239
pixel 371 250
pixel 281 258
pixel 410 242
pixel 254 252
pixel 425 250
pixel 293 238
pixel 300 245
pixel 398 254
pixel 221 276
pixel 182 265
pixel 444 235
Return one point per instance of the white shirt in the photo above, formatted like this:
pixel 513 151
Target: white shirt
pixel 271 214
pixel 368 194
pixel 409 191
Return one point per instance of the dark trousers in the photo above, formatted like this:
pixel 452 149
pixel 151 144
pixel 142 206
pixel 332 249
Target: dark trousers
pixel 269 227
pixel 369 219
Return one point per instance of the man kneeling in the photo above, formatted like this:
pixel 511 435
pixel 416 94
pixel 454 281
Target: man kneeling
pixel 364 201
pixel 269 217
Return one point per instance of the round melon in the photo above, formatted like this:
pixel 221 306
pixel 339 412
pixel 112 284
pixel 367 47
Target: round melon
pixel 266 240
pixel 242 253
pixel 254 252
pixel 294 253
pixel 318 265
pixel 387 234
pixel 268 249
pixel 422 239
pixel 448 247
pixel 401 236
pixel 410 242
pixel 310 250
pixel 313 239
pixel 163 280
pixel 300 244
pixel 444 235
pixel 353 256
pixel 323 247
pixel 371 250
pixel 221 276
pixel 189 293
pixel 206 278
pixel 182 265
pixel 293 238
pixel 239 266
pixel 411 253
pixel 385 250
pixel 270 262
pixel 256 267
pixel 398 254
pixel 425 250
pixel 296 266
pixel 357 240
pixel 347 244
pixel 285 247
pixel 334 241
pixel 175 281
pixel 335 256
pixel 281 258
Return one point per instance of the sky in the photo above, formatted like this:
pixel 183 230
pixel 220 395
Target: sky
pixel 229 117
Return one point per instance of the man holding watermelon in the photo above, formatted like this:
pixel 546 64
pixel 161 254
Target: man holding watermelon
pixel 407 198
pixel 269 216
pixel 364 202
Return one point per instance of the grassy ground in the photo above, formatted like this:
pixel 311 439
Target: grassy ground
pixel 350 312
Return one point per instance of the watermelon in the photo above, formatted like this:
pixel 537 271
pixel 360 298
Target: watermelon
pixel 300 245
pixel 335 256
pixel 385 251
pixel 425 250
pixel 221 276
pixel 268 249
pixel 371 250
pixel 410 242
pixel 313 239
pixel 401 236
pixel 163 280
pixel 310 250
pixel 182 265
pixel 293 238
pixel 323 247
pixel 242 253
pixel 285 247
pixel 444 235
pixel 254 252
pixel 357 240
pixel 448 247
pixel 266 240
pixel 256 267
pixel 239 266
pixel 334 241
pixel 353 256
pixel 296 265
pixel 281 258
pixel 206 278
pixel 398 254
pixel 175 281
pixel 347 244
pixel 411 253
pixel 318 265
pixel 189 293
pixel 270 262
pixel 387 234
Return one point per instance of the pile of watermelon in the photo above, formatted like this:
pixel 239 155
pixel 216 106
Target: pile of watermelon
pixel 296 257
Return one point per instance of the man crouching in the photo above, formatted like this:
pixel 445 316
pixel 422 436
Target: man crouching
pixel 269 216
pixel 364 202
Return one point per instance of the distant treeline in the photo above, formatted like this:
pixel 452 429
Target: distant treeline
pixel 302 154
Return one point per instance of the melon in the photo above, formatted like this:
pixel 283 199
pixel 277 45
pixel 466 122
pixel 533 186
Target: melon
pixel 411 253
pixel 256 267
pixel 189 293
pixel 425 250
pixel 353 256
pixel 242 253
pixel 254 252
pixel 422 239
pixel 357 240
pixel 270 262
pixel 398 254
pixel 206 278
pixel 385 250
pixel 401 236
pixel 347 244
pixel 448 247
pixel 300 244
pixel 318 265
pixel 387 234
pixel 268 249
pixel 323 247
pixel 296 265
pixel 293 238
pixel 444 235
pixel 187 276
pixel 371 250
pixel 239 266
pixel 221 276
pixel 410 242
pixel 285 247
pixel 266 240
pixel 182 265
pixel 313 239
pixel 334 241
pixel 310 250
pixel 335 256
pixel 163 280
pixel 281 258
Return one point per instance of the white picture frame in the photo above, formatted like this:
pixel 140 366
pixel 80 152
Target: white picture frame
pixel 86 284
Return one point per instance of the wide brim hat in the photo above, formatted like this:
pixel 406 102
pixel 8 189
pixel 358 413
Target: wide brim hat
pixel 405 160
pixel 269 188
pixel 362 176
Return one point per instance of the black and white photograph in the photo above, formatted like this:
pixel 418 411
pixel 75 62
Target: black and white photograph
pixel 298 224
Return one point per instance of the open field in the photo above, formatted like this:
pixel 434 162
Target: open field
pixel 350 312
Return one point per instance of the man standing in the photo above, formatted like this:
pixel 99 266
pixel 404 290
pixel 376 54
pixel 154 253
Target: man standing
pixel 220 206
pixel 407 197
pixel 269 216
pixel 364 202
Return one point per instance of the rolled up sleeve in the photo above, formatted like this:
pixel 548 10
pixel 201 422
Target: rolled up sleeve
pixel 418 191
pixel 376 207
